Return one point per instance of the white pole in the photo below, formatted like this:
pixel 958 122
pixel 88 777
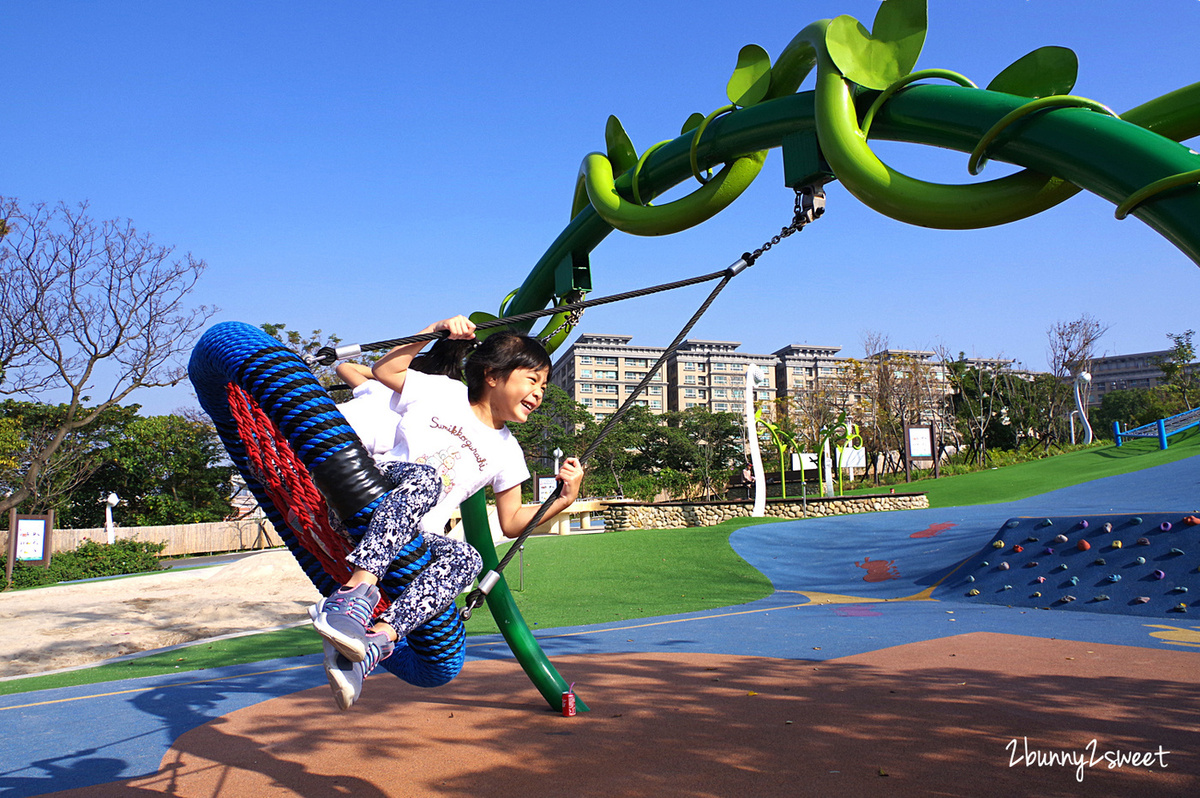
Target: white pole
pixel 754 376
pixel 1081 378
pixel 109 503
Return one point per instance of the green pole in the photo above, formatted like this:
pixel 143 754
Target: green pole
pixel 512 625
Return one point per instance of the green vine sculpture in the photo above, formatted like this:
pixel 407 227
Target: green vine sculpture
pixel 866 88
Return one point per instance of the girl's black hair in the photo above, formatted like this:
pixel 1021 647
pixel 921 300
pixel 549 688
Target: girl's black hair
pixel 499 355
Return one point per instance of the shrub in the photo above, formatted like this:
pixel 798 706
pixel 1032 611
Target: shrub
pixel 91 560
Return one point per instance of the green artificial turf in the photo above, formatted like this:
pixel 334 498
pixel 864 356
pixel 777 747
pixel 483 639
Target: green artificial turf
pixel 568 581
pixel 1034 477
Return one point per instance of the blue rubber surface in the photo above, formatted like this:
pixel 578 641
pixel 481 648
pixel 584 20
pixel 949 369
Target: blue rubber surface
pixel 842 586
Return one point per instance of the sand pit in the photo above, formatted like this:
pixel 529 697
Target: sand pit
pixel 80 624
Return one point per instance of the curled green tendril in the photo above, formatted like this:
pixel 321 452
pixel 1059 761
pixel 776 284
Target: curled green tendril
pixel 979 154
pixel 724 109
pixel 922 74
pixel 596 174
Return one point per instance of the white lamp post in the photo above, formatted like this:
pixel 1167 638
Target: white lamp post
pixel 111 501
pixel 1082 378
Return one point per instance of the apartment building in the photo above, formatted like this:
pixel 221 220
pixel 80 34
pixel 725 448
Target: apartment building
pixel 1124 372
pixel 600 371
pixel 802 367
pixel 712 374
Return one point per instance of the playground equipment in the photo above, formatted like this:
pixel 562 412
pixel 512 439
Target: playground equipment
pixel 1082 378
pixel 865 89
pixel 1161 429
pixel 1139 563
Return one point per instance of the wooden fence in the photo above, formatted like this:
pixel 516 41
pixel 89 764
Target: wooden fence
pixel 246 534
pixel 249 534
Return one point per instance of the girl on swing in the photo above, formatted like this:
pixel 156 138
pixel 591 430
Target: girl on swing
pixel 450 440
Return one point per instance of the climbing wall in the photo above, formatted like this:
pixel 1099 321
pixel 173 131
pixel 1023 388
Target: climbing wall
pixel 1131 564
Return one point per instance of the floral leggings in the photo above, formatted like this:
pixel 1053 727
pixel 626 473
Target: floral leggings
pixel 396 521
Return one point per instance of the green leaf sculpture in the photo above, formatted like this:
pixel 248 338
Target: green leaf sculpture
pixel 751 77
pixel 620 148
pixel 1045 72
pixel 692 122
pixel 888 52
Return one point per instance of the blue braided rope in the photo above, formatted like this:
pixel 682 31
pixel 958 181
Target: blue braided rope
pixel 285 389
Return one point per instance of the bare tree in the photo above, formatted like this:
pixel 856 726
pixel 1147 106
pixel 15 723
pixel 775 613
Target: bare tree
pixel 89 312
pixel 1072 345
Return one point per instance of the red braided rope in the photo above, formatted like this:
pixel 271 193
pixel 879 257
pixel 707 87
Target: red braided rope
pixel 288 484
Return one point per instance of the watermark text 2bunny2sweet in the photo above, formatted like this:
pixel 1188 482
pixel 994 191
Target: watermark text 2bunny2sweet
pixel 1019 753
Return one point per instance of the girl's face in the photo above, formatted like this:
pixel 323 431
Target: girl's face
pixel 516 396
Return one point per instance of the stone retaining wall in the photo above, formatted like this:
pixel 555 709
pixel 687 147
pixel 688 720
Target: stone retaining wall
pixel 621 515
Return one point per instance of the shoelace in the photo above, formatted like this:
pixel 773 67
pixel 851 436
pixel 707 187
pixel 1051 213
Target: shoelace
pixel 359 607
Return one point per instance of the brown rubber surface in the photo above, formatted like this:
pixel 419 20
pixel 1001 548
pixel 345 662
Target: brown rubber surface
pixel 935 718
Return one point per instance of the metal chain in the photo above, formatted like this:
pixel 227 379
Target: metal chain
pixel 570 320
pixel 810 204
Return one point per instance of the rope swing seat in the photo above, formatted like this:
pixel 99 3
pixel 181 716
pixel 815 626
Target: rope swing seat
pixel 300 458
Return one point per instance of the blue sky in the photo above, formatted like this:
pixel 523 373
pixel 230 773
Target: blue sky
pixel 367 167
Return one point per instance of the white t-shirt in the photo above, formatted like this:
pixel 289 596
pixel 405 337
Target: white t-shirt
pixel 438 428
pixel 373 415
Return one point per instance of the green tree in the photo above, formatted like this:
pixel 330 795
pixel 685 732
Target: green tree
pixel 26 432
pixel 1134 408
pixel 1176 366
pixel 166 470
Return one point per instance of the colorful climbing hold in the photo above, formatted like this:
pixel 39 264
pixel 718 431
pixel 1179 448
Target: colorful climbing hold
pixel 1159 574
pixel 1083 545
pixel 970 579
pixel 1137 519
pixel 973 592
pixel 1018 549
pixel 999 544
pixel 1181 589
pixel 1062 566
pixel 983 564
pixel 1031 539
pixel 1074 580
pixel 1191 520
pixel 1046 522
pixel 1116 544
pixel 1101 561
pixel 1165 526
pixel 1084 523
pixel 1031 564
pixel 1041 579
pixel 1107 526
pixel 1142 600
pixel 1114 577
pixel 1012 523
pixel 1036 594
pixel 1049 550
pixel 1179 608
pixel 1101 597
pixel 1175 552
pixel 1060 538
pixel 1140 560
pixel 1003 566
pixel 1008 587
pixel 1143 541
pixel 1065 599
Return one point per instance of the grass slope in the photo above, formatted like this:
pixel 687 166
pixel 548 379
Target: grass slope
pixel 1042 476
